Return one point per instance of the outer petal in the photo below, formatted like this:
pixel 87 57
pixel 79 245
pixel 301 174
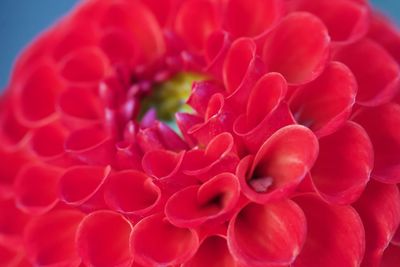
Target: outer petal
pixel 50 239
pixel 325 104
pixel 272 234
pixel 381 124
pixel 244 18
pixel 12 222
pixel 103 240
pixel 298 62
pixel 379 208
pixel 195 205
pixel 280 164
pixel 378 83
pixel 335 235
pixel 154 241
pixel 344 164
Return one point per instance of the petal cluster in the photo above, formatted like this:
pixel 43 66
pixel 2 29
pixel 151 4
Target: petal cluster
pixel 284 153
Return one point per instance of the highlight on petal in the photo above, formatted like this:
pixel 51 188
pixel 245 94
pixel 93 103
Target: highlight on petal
pixel 270 234
pixel 195 21
pixel 213 252
pixel 344 164
pixel 36 187
pixel 346 21
pixel 299 62
pixel 103 239
pixel 80 184
pixel 155 241
pixel 50 239
pixel 379 208
pixel 131 192
pixel 381 124
pixel 324 104
pixel 280 164
pixel 378 83
pixel 196 205
pixel 244 18
pixel 335 234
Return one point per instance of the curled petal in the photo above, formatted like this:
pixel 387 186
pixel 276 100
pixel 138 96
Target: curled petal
pixel 162 163
pixel 216 49
pixel 379 208
pixel 346 21
pixel 279 166
pixel 298 62
pixel 244 18
pixel 391 256
pixel 195 205
pixel 103 239
pixel 50 239
pixel 195 21
pixel 86 65
pixel 332 230
pixel 165 245
pixel 201 94
pixel 36 188
pixel 378 83
pixel 80 184
pixel 270 234
pixel 341 172
pixel 217 247
pixel 381 124
pixel 90 145
pixel 131 192
pixel 325 104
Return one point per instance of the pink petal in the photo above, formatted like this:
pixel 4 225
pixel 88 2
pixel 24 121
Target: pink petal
pixel 80 184
pixel 346 20
pixel 270 234
pixel 298 62
pixel 381 125
pixel 218 248
pixel 344 164
pixel 335 234
pixel 36 188
pixel 131 192
pixel 379 208
pixel 195 21
pixel 50 239
pixel 378 83
pixel 244 18
pixel 103 239
pixel 280 164
pixel 325 104
pixel 155 242
pixel 192 206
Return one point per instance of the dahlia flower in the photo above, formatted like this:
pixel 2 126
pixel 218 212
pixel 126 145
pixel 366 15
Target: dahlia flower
pixel 204 133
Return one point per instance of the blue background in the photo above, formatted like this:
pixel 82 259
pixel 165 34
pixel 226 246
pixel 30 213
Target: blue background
pixel 21 20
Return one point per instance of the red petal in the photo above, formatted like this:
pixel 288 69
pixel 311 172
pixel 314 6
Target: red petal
pixel 379 208
pixel 218 248
pixel 50 239
pixel 325 104
pixel 119 47
pixel 9 256
pixel 12 221
pixel 201 94
pixel 378 83
pixel 103 239
pixel 195 205
pixel 381 124
pixel 195 21
pixel 344 164
pixel 299 62
pixel 346 20
pixel 162 163
pixel 280 164
pixel 131 192
pixel 335 235
pixel 48 141
pixel 244 18
pixel 80 184
pixel 36 188
pixel 273 233
pixel 391 257
pixel 12 132
pixel 155 242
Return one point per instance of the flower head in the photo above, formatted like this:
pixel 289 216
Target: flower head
pixel 204 133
